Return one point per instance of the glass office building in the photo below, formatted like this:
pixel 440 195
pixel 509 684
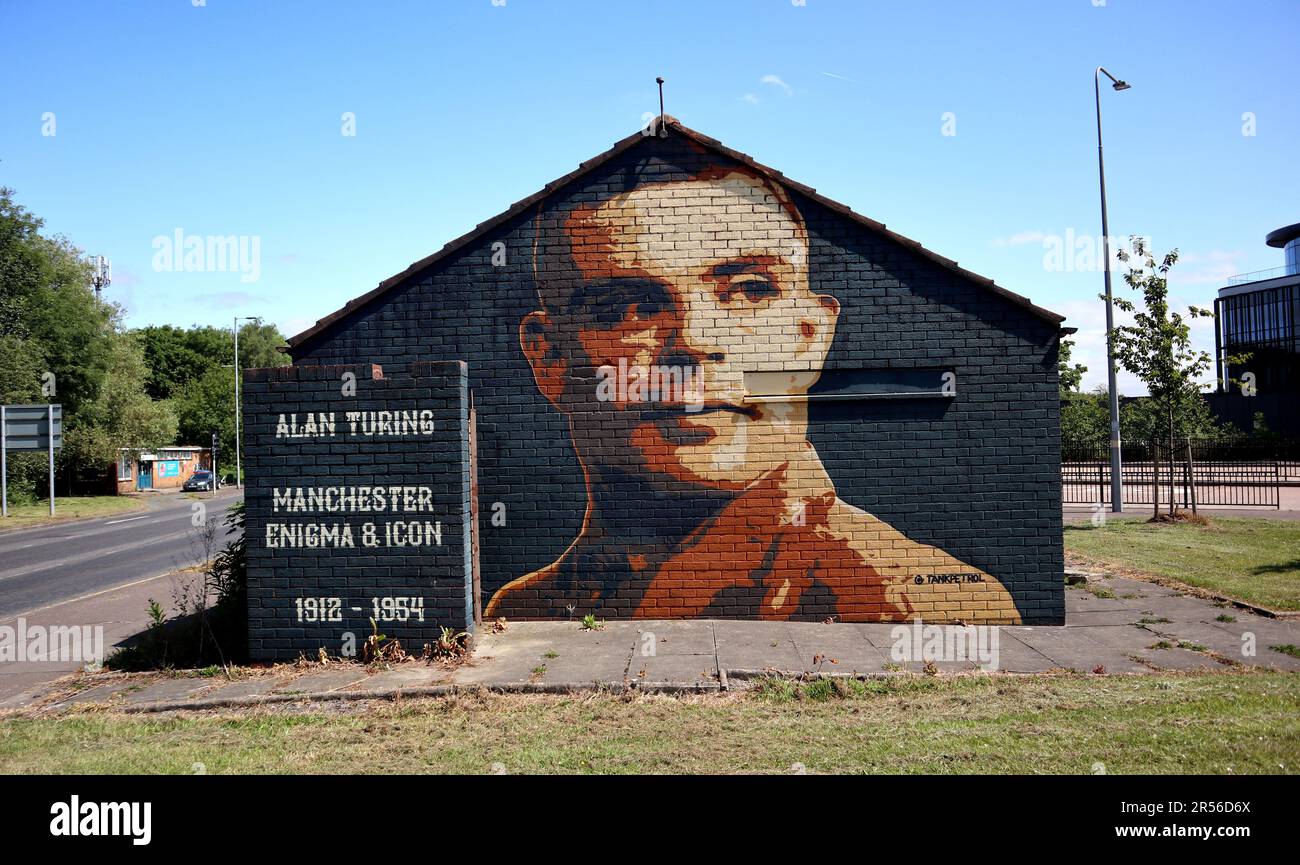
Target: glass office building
pixel 1258 314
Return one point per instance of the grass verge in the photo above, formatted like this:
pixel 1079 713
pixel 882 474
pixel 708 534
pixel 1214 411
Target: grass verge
pixel 1253 560
pixel 66 508
pixel 1212 723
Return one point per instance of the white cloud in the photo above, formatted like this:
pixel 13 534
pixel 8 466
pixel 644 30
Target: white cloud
pixel 776 82
pixel 295 325
pixel 839 77
pixel 1089 316
pixel 1212 268
pixel 1020 238
pixel 750 98
pixel 229 299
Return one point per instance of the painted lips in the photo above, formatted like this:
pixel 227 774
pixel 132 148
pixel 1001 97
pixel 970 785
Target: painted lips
pixel 661 411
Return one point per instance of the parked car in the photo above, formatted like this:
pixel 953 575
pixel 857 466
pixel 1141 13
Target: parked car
pixel 200 480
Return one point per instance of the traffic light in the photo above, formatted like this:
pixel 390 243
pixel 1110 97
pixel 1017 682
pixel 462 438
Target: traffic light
pixel 216 445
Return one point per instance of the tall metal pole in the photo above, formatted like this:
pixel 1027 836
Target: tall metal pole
pixel 49 416
pixel 4 464
pixel 1116 463
pixel 239 478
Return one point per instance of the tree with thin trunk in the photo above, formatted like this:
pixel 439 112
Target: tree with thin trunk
pixel 1157 348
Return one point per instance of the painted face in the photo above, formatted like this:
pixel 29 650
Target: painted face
pixel 680 290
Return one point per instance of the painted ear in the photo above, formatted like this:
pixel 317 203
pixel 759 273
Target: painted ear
pixel 536 333
pixel 817 327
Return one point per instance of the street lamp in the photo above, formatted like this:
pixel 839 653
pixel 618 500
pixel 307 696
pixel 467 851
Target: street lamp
pixel 1116 465
pixel 239 475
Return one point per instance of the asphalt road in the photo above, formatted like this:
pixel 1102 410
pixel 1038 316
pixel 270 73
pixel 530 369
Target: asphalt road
pixel 52 564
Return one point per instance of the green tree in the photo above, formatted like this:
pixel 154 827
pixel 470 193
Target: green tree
pixel 122 415
pixel 193 368
pixel 1157 348
pixel 206 405
pixel 49 313
pixel 1071 375
pixel 259 346
pixel 1085 419
pixel 60 343
pixel 177 356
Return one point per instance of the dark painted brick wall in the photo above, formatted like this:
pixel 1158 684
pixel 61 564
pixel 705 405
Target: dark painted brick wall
pixel 977 475
pixel 279 577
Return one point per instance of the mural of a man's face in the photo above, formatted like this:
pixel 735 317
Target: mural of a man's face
pixel 706 277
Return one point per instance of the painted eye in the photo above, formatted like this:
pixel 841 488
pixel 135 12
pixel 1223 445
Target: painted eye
pixel 755 289
pixel 641 310
pixel 620 310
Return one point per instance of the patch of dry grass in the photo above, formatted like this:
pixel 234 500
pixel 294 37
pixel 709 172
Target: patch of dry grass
pixel 1215 723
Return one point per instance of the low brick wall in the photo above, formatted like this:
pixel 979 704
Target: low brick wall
pixel 358 492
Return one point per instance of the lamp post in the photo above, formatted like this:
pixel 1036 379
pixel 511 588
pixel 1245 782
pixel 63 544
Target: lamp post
pixel 239 475
pixel 1116 464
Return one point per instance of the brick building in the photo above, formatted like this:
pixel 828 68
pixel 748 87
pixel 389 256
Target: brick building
pixel 703 389
pixel 163 469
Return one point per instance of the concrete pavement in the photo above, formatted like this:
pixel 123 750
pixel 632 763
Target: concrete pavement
pixel 121 611
pixel 98 572
pixel 1289 512
pixel 1113 626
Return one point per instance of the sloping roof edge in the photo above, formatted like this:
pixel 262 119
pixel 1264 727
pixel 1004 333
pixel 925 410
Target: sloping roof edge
pixel 357 303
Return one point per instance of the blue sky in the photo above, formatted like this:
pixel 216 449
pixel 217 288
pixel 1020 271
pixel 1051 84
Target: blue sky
pixel 227 119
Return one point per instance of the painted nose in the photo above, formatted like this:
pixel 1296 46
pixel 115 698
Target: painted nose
pixel 694 333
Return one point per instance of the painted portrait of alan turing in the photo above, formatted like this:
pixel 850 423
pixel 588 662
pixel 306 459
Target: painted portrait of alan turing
pixel 702 501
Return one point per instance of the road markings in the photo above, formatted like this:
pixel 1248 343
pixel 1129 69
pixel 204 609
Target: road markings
pixel 110 589
pixel 131 520
pixel 87 556
pixel 96 531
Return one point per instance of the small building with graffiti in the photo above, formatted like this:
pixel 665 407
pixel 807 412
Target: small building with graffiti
pixel 162 469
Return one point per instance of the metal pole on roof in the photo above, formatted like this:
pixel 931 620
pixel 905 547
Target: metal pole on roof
pixel 660 81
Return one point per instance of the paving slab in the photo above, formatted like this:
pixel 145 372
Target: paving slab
pixel 1103 618
pixel 1209 635
pixel 677 637
pixel 1072 649
pixel 1226 639
pixel 880 636
pixel 1123 585
pixel 1092 604
pixel 322 681
pixel 509 657
pixel 1015 656
pixel 580 657
pixel 696 671
pixel 168 690
pixel 1099 633
pixel 1266 656
pixel 765 647
pixel 413 675
pixel 1182 608
pixel 843 648
pixel 1181 660
pixel 1266 630
pixel 599 664
pixel 242 689
pixel 1124 638
pixel 101 693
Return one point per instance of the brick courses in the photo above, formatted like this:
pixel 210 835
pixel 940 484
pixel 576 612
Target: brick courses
pixel 436 465
pixel 975 474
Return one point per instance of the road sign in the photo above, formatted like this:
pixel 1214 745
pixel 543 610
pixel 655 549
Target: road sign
pixel 28 428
